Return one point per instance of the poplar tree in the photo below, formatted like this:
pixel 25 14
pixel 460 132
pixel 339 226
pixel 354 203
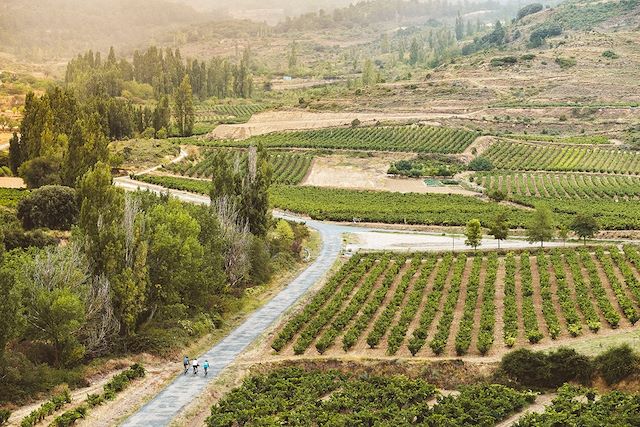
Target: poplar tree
pixel 183 107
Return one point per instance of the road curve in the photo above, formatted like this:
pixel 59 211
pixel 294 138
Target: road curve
pixel 164 407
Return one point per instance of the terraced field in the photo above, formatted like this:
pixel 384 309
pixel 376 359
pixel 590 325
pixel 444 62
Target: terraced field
pixel 288 168
pixel 418 139
pixel 467 304
pixel 562 185
pixel 516 156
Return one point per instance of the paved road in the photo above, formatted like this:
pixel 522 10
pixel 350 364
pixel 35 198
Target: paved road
pixel 184 389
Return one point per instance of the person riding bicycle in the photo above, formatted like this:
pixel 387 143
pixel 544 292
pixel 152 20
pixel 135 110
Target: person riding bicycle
pixel 206 367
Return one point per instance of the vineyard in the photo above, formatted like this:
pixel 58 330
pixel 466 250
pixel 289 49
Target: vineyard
pixel 543 157
pixel 467 304
pixel 288 168
pixel 386 207
pixel 577 406
pixel 417 139
pixel 562 186
pixel 291 396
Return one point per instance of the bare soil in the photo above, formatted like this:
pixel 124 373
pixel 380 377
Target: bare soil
pixel 369 173
pixel 12 182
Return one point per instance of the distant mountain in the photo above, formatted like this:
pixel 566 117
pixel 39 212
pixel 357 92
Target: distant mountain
pixel 57 29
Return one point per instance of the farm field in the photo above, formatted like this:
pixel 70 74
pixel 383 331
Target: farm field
pixel 562 185
pixel 331 398
pixel 418 139
pixel 288 168
pixel 425 305
pixel 544 157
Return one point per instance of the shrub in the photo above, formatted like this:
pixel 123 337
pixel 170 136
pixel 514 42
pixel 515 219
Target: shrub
pixel 40 171
pixel 504 60
pixel 162 133
pixel 528 57
pixel 616 363
pixel 480 164
pixel 539 35
pixel 538 369
pixel 565 63
pixel 355 123
pixel 610 54
pixel 4 416
pixel 497 195
pixel 529 9
pixel 51 206
pixel 148 133
pixel 14 239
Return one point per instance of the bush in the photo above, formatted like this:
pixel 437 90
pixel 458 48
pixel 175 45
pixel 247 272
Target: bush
pixel 40 171
pixel 610 54
pixel 497 195
pixel 148 133
pixel 616 364
pixel 162 133
pixel 51 206
pixel 14 239
pixel 539 35
pixel 504 60
pixel 4 416
pixel 480 164
pixel 529 9
pixel 565 63
pixel 355 123
pixel 541 370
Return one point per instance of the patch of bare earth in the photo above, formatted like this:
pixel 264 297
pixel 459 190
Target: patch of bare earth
pixel 12 182
pixel 369 173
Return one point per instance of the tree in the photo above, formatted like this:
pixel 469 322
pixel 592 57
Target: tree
pixel 101 210
pixel 175 254
pixel 473 234
pixel 459 27
pixel 40 171
pixel 162 114
pixel 293 57
pixel 369 76
pixel 54 308
pixel 183 107
pixel 585 226
pixel 9 304
pixel 254 203
pixel 541 228
pixel 51 206
pixel 499 228
pixel 563 233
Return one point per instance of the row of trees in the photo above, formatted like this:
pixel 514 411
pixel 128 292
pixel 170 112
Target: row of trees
pixel 162 70
pixel 541 228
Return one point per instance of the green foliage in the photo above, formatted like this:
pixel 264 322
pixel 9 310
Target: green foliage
pixel 183 107
pixel 541 227
pixel 578 406
pixel 480 164
pixel 529 9
pixel 565 63
pixel 473 233
pixel 46 409
pixel 585 226
pixel 427 165
pixel 585 15
pixel 609 54
pixel 503 61
pixel 417 139
pixel 5 414
pixel 288 167
pixel 40 171
pixel 53 207
pixel 541 33
pixel 617 364
pixel 546 370
pixel 332 397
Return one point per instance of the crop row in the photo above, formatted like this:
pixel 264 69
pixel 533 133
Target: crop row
pixel 226 110
pixel 414 139
pixel 406 301
pixel 541 157
pixel 562 186
pixel 287 168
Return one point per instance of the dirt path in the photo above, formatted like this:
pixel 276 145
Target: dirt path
pixel 538 407
pixel 477 148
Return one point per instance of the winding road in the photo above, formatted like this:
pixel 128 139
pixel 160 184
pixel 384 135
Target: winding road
pixel 169 403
